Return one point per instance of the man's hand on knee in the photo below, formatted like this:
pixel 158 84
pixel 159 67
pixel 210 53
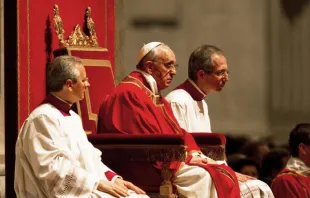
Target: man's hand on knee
pixel 113 188
pixel 129 186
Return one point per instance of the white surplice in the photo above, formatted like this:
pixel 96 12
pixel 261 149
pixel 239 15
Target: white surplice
pixel 297 165
pixel 191 110
pixel 194 182
pixel 192 115
pixel 55 159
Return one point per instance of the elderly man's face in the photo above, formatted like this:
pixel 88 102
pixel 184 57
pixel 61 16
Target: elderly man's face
pixel 78 88
pixel 217 79
pixel 164 67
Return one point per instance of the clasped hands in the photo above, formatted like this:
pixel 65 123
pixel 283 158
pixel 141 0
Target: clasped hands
pixel 118 188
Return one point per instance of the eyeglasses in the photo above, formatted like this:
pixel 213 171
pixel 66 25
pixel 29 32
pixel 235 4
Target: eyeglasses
pixel 169 65
pixel 221 73
pixel 85 81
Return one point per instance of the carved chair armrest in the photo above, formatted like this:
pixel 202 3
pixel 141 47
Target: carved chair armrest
pixel 212 145
pixel 137 139
pixel 151 148
pixel 122 152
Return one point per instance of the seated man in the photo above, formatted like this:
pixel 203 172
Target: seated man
pixel 207 72
pixel 53 155
pixel 136 106
pixel 294 180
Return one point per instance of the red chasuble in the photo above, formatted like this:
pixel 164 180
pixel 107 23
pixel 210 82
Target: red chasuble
pixel 134 109
pixel 289 184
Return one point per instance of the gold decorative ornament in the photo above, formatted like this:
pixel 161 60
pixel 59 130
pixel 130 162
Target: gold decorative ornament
pixel 77 37
pixel 214 152
pixel 91 27
pixel 58 25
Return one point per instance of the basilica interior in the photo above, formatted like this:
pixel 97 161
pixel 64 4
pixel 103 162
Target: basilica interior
pixel 266 43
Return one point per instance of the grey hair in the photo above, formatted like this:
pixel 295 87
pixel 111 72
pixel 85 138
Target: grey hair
pixel 201 59
pixel 152 55
pixel 60 70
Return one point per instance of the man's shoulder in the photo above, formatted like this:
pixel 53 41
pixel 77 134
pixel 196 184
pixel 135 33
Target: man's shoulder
pixel 44 110
pixel 128 90
pixel 127 87
pixel 288 184
pixel 179 96
pixel 285 176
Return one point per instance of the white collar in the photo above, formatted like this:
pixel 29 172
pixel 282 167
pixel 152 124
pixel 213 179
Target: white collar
pixel 152 82
pixel 298 166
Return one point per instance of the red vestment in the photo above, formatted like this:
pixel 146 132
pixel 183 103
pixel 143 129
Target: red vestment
pixel 290 184
pixel 134 109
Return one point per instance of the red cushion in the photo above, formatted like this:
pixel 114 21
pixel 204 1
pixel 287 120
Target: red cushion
pixel 210 139
pixel 136 139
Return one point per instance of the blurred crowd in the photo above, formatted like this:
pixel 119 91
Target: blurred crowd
pixel 262 158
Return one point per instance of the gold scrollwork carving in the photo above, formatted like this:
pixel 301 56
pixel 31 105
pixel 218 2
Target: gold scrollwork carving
pixel 91 27
pixel 77 38
pixel 166 154
pixel 214 152
pixel 58 25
